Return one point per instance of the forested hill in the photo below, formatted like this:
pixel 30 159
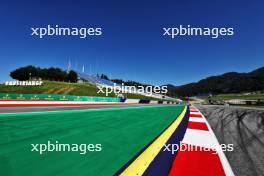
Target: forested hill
pixel 231 82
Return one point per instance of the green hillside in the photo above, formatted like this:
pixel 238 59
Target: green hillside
pixel 222 97
pixel 63 88
pixel 228 83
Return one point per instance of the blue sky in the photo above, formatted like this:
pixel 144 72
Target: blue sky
pixel 132 46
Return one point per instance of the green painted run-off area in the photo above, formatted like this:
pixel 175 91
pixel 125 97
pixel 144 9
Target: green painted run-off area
pixel 122 132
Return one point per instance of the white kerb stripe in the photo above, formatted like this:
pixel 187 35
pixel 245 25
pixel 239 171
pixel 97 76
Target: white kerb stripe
pixel 194 119
pixel 199 138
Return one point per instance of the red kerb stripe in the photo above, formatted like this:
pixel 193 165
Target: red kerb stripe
pixel 196 115
pixel 197 163
pixel 197 126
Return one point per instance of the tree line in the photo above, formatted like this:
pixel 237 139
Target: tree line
pixel 52 74
pixel 231 82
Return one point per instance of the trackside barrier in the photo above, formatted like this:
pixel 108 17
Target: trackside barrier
pixel 131 101
pixel 244 102
pixel 141 101
pixel 153 102
pixel 30 103
pixel 144 101
pixel 4 96
pixel 56 97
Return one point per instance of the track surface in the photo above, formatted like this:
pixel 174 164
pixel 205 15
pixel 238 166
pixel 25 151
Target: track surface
pixel 117 129
pixel 245 129
pixel 61 108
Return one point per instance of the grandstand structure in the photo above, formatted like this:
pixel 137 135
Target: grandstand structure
pixel 93 79
pixel 96 80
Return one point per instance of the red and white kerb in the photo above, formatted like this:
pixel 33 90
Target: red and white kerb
pixel 208 159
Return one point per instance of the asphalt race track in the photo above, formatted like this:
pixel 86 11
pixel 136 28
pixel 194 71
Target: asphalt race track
pixel 61 108
pixel 244 128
